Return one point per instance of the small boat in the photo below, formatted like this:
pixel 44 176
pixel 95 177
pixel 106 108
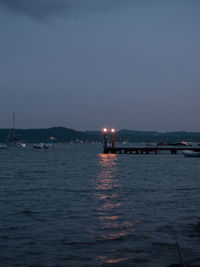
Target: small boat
pixel 39 146
pixel 151 144
pixel 161 144
pixel 183 143
pixel 43 146
pixel 3 146
pixel 16 144
pixel 189 153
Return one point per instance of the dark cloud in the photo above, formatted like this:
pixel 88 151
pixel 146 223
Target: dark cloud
pixel 37 8
pixel 48 8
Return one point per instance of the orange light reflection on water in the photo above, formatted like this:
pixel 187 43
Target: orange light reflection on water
pixel 108 159
pixel 111 217
pixel 109 206
pixel 103 196
pixel 107 178
pixel 107 260
pixel 116 235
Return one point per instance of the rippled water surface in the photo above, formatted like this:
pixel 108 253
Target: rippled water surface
pixel 73 206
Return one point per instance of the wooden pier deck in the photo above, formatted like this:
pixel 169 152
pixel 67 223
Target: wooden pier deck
pixel 147 150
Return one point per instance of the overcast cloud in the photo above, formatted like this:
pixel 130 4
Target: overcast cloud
pixel 123 64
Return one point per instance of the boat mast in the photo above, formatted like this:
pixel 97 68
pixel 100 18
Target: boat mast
pixel 13 124
pixel 11 133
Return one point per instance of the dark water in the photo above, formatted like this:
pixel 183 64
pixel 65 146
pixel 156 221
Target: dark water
pixel 72 206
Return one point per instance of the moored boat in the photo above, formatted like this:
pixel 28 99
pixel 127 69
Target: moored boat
pixel 3 146
pixel 43 146
pixel 16 144
pixel 12 139
pixel 189 153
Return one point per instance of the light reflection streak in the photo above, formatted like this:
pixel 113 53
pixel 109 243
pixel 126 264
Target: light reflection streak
pixel 113 223
pixel 110 218
pixel 105 259
pixel 103 196
pixel 109 206
pixel 116 235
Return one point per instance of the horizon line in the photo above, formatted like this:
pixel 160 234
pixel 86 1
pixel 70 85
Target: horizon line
pixel 100 130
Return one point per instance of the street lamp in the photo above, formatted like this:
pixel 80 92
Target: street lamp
pixel 113 137
pixel 105 131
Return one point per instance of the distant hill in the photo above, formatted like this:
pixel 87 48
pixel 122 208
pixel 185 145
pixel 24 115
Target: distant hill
pixel 62 134
pixel 152 136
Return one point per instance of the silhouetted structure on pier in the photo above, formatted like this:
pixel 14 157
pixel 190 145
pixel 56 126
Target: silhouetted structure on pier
pixel 140 150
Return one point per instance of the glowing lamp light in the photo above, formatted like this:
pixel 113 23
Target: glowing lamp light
pixel 112 130
pixel 105 130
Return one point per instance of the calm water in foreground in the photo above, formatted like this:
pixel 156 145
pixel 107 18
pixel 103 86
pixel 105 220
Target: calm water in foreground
pixel 73 206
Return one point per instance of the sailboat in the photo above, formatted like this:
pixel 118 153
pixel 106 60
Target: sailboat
pixel 12 139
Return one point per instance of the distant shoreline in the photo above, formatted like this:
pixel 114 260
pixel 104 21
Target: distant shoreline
pixel 62 134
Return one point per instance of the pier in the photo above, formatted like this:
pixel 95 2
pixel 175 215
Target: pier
pixel 146 150
pixel 140 150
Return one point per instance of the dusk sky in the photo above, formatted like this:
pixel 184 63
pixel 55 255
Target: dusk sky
pixel 86 64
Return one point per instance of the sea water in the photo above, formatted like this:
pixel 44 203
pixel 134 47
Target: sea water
pixel 74 206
